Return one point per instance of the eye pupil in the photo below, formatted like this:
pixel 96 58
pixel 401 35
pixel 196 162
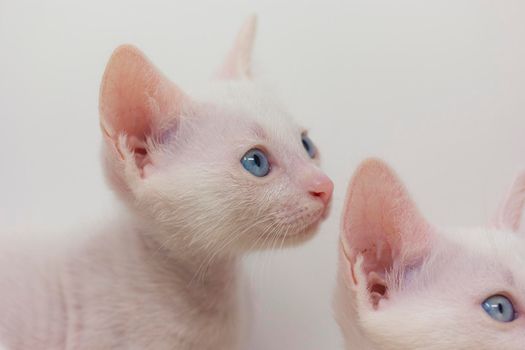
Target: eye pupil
pixel 257 160
pixel 306 145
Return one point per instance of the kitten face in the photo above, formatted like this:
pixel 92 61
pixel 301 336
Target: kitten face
pixel 223 169
pixel 406 285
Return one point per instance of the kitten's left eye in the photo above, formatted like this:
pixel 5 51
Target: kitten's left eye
pixel 499 308
pixel 309 146
pixel 256 162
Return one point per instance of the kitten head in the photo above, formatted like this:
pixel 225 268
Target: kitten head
pixel 404 284
pixel 225 169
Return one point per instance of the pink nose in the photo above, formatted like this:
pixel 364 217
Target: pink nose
pixel 321 187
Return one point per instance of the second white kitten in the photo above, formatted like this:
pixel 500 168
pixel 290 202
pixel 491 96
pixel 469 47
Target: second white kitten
pixel 404 284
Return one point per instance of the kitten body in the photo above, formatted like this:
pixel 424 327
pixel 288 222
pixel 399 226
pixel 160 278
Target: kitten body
pixel 166 275
pixel 403 284
pixel 117 290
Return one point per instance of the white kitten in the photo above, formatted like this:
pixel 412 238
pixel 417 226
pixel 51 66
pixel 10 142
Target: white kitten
pixel 405 285
pixel 205 178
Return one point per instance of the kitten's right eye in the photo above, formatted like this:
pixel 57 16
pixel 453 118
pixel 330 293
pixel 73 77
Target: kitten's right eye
pixel 308 145
pixel 499 308
pixel 256 162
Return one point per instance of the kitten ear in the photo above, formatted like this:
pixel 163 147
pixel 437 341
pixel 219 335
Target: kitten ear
pixel 136 102
pixel 381 228
pixel 509 215
pixel 238 62
pixel 135 98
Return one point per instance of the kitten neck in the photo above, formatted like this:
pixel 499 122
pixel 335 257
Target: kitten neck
pixel 196 267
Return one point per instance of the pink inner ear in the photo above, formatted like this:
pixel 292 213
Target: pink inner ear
pixel 381 223
pixel 510 213
pixel 238 62
pixel 135 98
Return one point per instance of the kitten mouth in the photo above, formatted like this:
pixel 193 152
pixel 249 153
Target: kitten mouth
pixel 291 227
pixel 302 222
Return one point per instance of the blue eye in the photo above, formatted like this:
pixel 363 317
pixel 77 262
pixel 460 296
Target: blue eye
pixel 309 146
pixel 499 308
pixel 256 162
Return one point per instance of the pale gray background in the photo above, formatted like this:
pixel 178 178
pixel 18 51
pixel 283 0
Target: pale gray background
pixel 435 87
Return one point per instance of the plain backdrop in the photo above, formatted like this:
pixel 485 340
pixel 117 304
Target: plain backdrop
pixel 434 87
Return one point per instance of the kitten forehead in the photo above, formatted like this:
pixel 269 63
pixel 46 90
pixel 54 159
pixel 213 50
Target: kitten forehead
pixel 258 132
pixel 250 101
pixel 497 255
pixel 487 241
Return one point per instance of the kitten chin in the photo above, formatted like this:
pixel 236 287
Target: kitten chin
pixel 300 235
pixel 304 235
